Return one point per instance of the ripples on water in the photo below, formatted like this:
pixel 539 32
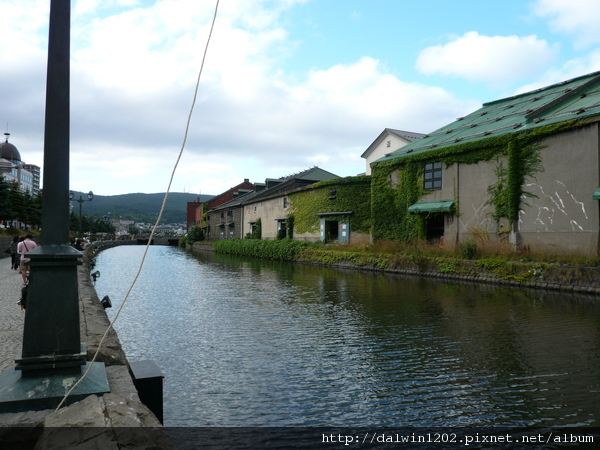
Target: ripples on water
pixel 258 343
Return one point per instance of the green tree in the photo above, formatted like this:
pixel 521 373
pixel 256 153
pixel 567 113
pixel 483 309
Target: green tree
pixel 195 234
pixel 133 230
pixel 257 230
pixel 74 222
pixel 6 211
pixel 36 212
pixel 86 224
pixel 28 208
pixel 101 226
pixel 17 201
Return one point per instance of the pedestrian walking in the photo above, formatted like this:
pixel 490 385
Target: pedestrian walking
pixel 78 245
pixel 14 254
pixel 23 248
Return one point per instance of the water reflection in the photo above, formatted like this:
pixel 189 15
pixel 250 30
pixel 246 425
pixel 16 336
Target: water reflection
pixel 257 343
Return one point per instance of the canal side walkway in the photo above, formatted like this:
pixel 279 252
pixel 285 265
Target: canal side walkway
pixel 114 420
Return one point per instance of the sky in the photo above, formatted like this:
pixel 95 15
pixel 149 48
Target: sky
pixel 286 85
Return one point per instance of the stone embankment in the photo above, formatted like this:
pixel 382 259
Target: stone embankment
pixel 555 277
pixel 114 420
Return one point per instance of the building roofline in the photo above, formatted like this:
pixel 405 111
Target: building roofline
pixel 407 136
pixel 576 98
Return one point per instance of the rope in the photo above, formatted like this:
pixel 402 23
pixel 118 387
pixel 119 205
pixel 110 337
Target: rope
pixel 187 127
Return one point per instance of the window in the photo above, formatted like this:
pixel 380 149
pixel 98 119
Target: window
pixel 432 176
pixel 285 202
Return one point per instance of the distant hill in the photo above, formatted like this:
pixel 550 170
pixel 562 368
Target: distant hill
pixel 138 207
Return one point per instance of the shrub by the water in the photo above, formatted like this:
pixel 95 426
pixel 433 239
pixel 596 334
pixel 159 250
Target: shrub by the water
pixel 469 249
pixel 281 250
pixel 195 234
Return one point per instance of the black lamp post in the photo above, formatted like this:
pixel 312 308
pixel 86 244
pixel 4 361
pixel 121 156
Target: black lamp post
pixel 81 200
pixel 53 357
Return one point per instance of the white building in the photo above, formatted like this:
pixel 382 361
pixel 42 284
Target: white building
pixel 388 141
pixel 27 176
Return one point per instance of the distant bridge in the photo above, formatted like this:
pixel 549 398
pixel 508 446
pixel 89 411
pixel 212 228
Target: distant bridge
pixel 161 240
pixel 103 245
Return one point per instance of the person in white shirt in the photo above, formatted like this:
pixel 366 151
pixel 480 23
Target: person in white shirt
pixel 23 248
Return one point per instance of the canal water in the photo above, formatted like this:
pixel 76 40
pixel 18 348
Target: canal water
pixel 245 342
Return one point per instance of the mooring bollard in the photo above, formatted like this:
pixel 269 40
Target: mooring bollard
pixel 148 380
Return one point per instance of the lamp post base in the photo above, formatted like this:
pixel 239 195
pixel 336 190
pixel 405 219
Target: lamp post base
pixel 20 393
pixel 51 364
pixel 52 313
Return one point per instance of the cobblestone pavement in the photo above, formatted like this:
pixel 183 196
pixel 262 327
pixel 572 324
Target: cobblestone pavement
pixel 11 314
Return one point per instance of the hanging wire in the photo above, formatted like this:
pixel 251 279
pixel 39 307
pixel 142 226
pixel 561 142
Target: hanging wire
pixel 187 127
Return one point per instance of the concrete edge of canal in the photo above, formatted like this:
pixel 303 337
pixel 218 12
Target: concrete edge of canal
pixel 575 280
pixel 116 419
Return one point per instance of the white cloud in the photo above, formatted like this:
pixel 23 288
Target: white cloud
pixel 578 18
pixel 571 69
pixel 364 95
pixel 492 59
pixel 133 74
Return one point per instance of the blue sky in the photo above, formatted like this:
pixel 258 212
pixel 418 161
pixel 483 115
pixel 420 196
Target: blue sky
pixel 288 84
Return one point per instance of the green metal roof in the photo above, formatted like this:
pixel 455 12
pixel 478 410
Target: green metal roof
pixel 444 205
pixel 573 99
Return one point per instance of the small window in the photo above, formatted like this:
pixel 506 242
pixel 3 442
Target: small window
pixel 285 202
pixel 432 177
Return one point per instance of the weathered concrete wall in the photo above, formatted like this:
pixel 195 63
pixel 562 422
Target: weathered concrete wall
pixel 472 182
pixel 268 211
pixel 203 246
pixel 561 218
pixel 94 323
pixel 4 242
pixel 307 237
pixel 468 183
pixel 564 218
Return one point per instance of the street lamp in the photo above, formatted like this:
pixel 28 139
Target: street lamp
pixel 90 197
pixel 53 357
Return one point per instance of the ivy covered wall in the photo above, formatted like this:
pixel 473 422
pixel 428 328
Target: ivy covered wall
pixel 335 195
pixel 397 183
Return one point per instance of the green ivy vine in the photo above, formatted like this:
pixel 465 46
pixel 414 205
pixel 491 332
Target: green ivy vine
pixel 335 195
pixel 289 226
pixel 256 231
pixel 397 183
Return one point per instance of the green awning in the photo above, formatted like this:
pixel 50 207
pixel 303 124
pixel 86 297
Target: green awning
pixel 597 194
pixel 444 205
